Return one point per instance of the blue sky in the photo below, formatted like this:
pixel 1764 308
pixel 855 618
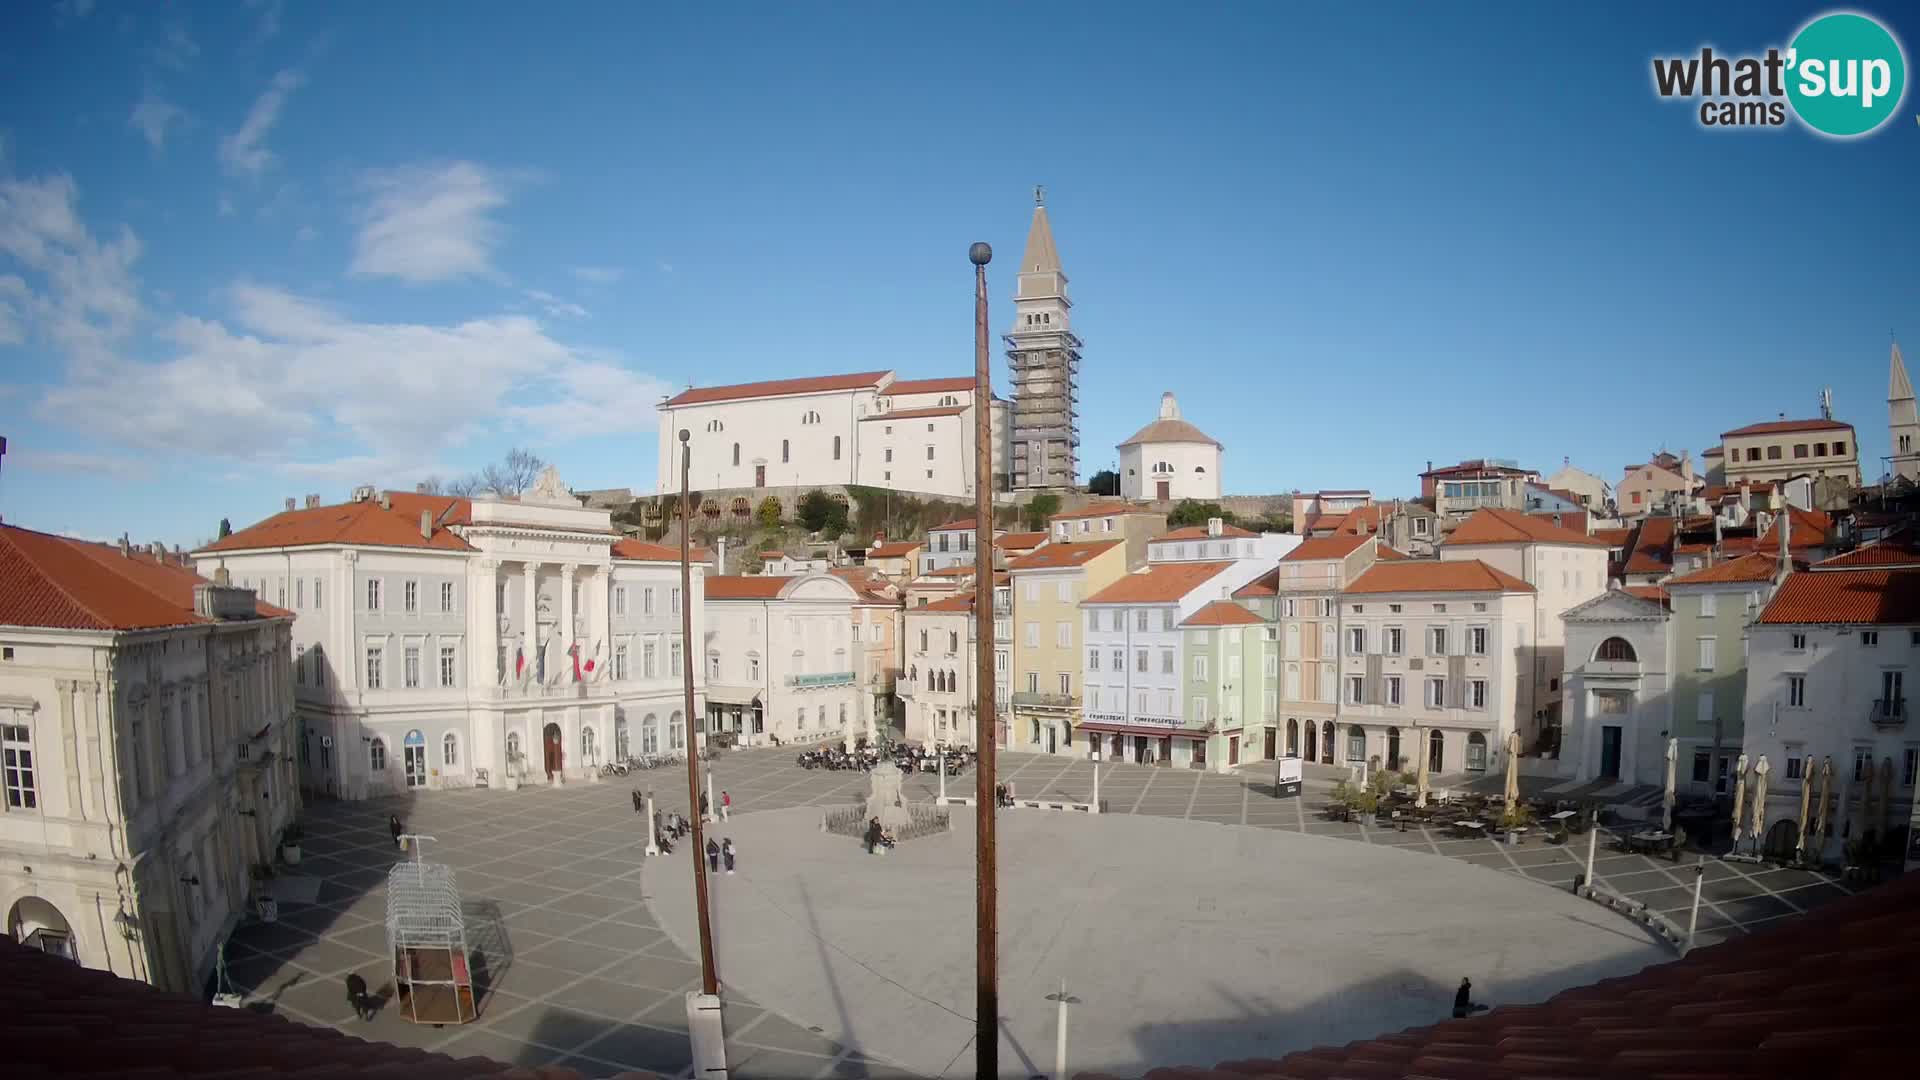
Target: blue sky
pixel 262 249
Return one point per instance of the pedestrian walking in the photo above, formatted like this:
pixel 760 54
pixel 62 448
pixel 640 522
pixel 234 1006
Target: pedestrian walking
pixel 394 826
pixel 713 855
pixel 357 997
pixel 726 853
pixel 726 806
pixel 639 803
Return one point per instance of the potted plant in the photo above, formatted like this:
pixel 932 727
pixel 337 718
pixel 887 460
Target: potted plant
pixel 1367 803
pixel 290 845
pixel 1512 820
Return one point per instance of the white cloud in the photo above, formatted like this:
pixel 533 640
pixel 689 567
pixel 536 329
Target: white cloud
pixel 175 49
pixel 599 275
pixel 244 150
pixel 68 461
pixel 556 307
pixel 429 222
pixel 285 381
pixel 152 117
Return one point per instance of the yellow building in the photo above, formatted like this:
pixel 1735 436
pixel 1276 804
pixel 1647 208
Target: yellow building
pixel 1048 586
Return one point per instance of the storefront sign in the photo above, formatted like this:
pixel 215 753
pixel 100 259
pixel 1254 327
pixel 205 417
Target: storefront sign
pixel 1286 778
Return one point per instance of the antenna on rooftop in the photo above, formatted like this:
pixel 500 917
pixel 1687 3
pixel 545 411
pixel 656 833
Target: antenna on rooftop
pixel 1826 403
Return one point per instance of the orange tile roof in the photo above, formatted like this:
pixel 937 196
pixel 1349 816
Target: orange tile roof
pixel 931 386
pixel 1571 520
pixel 1847 596
pixel 641 551
pixel 1494 526
pixel 962 570
pixel 1060 555
pixel 1899 548
pixel 1199 532
pixel 914 414
pixel 1777 427
pixel 1360 521
pixel 1102 509
pixel 1655 593
pixel 819 384
pixel 1160 583
pixel 898 549
pixel 363 524
pixel 1613 537
pixel 1809 529
pixel 1652 551
pixel 750 587
pixel 1267 584
pixel 1433 575
pixel 1325 547
pixel 1391 554
pixel 950 604
pixel 60 583
pixel 952 526
pixel 1222 613
pixel 1020 541
pixel 1747 569
pixel 446 509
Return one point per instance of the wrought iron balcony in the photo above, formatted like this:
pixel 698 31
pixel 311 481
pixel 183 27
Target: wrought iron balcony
pixel 1889 713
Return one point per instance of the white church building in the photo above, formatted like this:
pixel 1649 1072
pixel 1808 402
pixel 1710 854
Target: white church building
pixel 1169 460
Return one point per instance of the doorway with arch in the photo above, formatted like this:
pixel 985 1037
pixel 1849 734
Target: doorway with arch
pixel 554 753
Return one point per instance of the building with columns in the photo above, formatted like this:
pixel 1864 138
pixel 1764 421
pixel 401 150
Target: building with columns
pixel 447 642
pixel 146 722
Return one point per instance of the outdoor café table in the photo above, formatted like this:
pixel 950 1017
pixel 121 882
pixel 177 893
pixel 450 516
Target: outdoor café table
pixel 1470 828
pixel 1648 841
pixel 1563 815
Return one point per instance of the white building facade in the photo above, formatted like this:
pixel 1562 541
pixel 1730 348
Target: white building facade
pixel 1618 692
pixel 448 643
pixel 1169 460
pixel 783 648
pixel 942 667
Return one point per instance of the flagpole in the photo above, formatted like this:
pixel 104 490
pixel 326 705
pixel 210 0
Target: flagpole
pixel 986 1021
pixel 709 983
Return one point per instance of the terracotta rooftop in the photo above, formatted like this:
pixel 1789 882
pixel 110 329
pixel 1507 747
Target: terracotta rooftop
pixel 1199 532
pixel 1173 430
pixel 1826 994
pixel 1020 541
pixel 1656 593
pixel 1652 550
pixel 1478 467
pixel 914 414
pixel 1865 597
pixel 898 549
pixel 958 570
pixel 1809 530
pixel 1756 568
pixel 1360 521
pixel 1493 526
pixel 1056 556
pixel 1102 509
pixel 1390 554
pixel 1899 548
pixel 1571 520
pixel 752 587
pixel 642 551
pixel 949 605
pixel 1267 584
pixel 58 583
pixel 1433 575
pixel 961 385
pixel 1325 547
pixel 819 384
pixel 365 524
pixel 952 526
pixel 1778 427
pixel 1222 613
pixel 1160 583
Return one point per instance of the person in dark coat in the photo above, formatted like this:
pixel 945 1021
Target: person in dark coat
pixel 394 827
pixel 713 855
pixel 873 835
pixel 1463 1003
pixel 726 853
pixel 357 997
pixel 639 803
pixel 704 814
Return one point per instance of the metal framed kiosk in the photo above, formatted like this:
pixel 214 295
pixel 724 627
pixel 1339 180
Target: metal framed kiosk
pixel 427 938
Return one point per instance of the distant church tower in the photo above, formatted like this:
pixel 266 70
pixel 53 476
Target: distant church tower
pixel 1903 421
pixel 1044 358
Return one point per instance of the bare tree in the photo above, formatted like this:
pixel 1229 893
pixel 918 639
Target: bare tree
pixel 465 487
pixel 514 474
pixel 432 485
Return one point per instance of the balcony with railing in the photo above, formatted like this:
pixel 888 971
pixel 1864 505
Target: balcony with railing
pixel 1889 712
pixel 1036 700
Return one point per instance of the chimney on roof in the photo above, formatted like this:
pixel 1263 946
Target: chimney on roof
pixel 420 488
pixel 426 524
pixel 222 578
pixel 386 501
pixel 1215 526
pixel 125 549
pixel 289 502
pixel 313 501
pixel 1786 534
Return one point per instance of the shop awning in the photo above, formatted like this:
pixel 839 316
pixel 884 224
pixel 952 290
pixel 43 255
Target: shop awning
pixel 732 695
pixel 1152 732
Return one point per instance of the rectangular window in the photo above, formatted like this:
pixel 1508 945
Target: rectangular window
pixel 1702 766
pixel 649 660
pixel 1476 693
pixel 1396 641
pixel 1063 634
pixel 1393 690
pixel 1272 704
pixel 374 657
pixel 1909 763
pixel 1706 658
pixel 1292 686
pixel 673 657
pixel 1437 641
pixel 620 662
pixel 1796 763
pixel 1033 635
pixel 1773 453
pixel 1356 689
pixel 1093 659
pixel 299 593
pixel 646 600
pixel 1327 687
pixel 1140 619
pixel 1063 591
pixel 16 745
pixel 373 594
pixel 446 596
pixel 1797 642
pixel 448 664
pixel 1199 668
pixel 1356 640
pixel 1166 662
pixel 410 594
pixel 1066 683
pixel 1436 693
pixel 1033 682
pixel 1290 608
pixel 1271 666
pixel 1799 450
pixel 1199 711
pixel 1707 606
pixel 673 599
pixel 713 668
pixel 1796 691
pixel 619 599
pixel 1140 661
pixel 1870 638
pixel 1477 640
pixel 1839 447
pixel 410 669
pixel 753 669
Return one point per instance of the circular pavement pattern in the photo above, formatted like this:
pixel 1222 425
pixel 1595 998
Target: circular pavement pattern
pixel 1186 942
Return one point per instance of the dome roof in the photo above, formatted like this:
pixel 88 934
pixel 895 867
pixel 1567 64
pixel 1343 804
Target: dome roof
pixel 1170 428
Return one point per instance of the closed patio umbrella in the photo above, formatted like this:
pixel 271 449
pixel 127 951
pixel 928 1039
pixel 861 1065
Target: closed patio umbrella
pixel 1866 798
pixel 1420 771
pixel 1806 805
pixel 1823 817
pixel 1667 798
pixel 1760 771
pixel 1843 807
pixel 1739 796
pixel 1886 795
pixel 1513 769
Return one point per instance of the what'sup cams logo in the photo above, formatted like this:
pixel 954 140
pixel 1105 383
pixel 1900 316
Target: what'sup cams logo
pixel 1843 75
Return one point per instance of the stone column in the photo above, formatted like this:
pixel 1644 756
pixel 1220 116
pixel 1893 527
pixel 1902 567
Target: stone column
pixel 483 625
pixel 565 633
pixel 530 626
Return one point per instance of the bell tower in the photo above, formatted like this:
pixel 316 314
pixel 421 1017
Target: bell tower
pixel 1043 356
pixel 1903 421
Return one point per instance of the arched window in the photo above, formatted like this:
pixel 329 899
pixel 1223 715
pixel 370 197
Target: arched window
pixel 620 743
pixel 1393 749
pixel 913 673
pixel 786 451
pixel 377 755
pixel 1476 752
pixel 650 734
pixel 1312 730
pixel 836 448
pixel 715 425
pixel 1326 742
pixel 1293 738
pixel 589 746
pixel 1199 468
pixel 513 745
pixel 1436 750
pixel 736 453
pixel 1356 743
pixel 450 749
pixel 953 641
pixel 1616 649
pixel 676 732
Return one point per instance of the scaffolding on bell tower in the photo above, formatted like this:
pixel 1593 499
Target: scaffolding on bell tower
pixel 1043 358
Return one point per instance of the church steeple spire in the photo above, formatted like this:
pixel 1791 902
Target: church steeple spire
pixel 1044 358
pixel 1898 388
pixel 1903 420
pixel 1040 257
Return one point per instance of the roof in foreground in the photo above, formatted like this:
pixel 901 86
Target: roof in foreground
pixel 1160 583
pixel 746 587
pixel 1061 556
pixel 1828 993
pixel 896 549
pixel 818 384
pixel 644 551
pixel 1862 597
pixel 1900 548
pixel 1222 613
pixel 1326 547
pixel 362 524
pixel 1490 525
pixel 1433 575
pixel 57 583
pixel 1753 569
pixel 1020 541
pixel 1267 584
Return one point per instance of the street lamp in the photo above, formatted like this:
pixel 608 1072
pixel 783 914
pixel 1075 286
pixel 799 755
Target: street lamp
pixel 1060 1030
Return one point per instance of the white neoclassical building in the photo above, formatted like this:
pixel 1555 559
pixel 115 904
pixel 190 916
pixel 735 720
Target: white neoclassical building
pixel 785 657
pixel 439 641
pixel 1618 693
pixel 146 722
pixel 1170 459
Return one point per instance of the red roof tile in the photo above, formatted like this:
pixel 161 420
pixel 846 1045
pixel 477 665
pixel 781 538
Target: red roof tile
pixel 1020 541
pixel 1059 555
pixel 915 414
pixel 1222 613
pixel 1573 520
pixel 1360 521
pixel 1754 569
pixel 1865 597
pixel 1655 593
pixel 59 583
pixel 1809 529
pixel 1102 509
pixel 446 509
pixel 1199 532
pixel 965 524
pixel 364 524
pixel 1777 427
pixel 1433 575
pixel 1613 537
pixel 1652 551
pixel 642 551
pixel 1390 554
pixel 819 384
pixel 1325 547
pixel 898 549
pixel 754 587
pixel 959 570
pixel 1900 548
pixel 1494 526
pixel 1160 583
pixel 959 385
pixel 1267 584
pixel 950 605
